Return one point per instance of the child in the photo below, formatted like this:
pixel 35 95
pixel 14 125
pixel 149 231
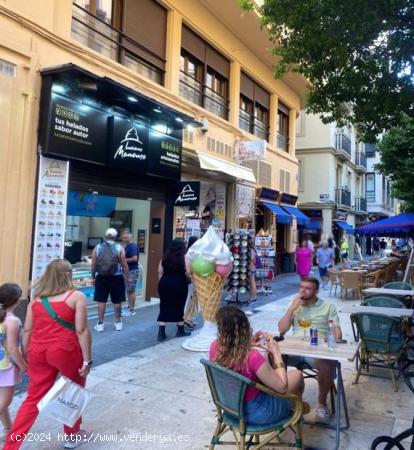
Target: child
pixel 12 363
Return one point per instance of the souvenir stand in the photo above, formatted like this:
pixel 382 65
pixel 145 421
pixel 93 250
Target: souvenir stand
pixel 266 253
pixel 238 282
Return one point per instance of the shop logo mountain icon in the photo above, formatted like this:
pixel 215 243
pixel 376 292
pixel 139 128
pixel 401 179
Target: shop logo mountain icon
pixel 186 195
pixel 131 147
pixel 54 170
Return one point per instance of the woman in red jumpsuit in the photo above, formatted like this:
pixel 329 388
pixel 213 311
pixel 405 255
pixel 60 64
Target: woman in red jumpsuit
pixel 51 348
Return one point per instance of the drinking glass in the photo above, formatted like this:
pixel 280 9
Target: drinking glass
pixel 304 321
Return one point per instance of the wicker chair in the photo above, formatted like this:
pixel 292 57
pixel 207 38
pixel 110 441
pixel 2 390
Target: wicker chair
pixel 227 389
pixel 350 280
pixel 333 279
pixel 371 280
pixel 382 342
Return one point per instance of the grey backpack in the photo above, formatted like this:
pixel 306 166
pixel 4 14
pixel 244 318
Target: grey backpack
pixel 106 259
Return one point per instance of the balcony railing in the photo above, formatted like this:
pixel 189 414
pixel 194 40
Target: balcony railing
pixel 282 142
pixel 370 150
pixel 370 196
pixel 360 204
pixel 343 143
pixel 343 196
pixel 253 125
pixel 194 91
pixel 361 159
pixel 98 35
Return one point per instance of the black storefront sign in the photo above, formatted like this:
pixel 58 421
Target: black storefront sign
pixel 128 145
pixel 288 199
pixel 268 194
pixel 76 131
pixel 187 193
pixel 164 154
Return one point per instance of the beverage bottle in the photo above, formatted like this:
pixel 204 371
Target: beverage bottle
pixel 331 338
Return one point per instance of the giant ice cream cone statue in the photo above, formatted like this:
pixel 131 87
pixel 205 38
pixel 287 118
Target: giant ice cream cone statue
pixel 210 262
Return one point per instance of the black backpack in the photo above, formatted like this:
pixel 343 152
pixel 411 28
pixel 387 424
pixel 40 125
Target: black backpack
pixel 106 259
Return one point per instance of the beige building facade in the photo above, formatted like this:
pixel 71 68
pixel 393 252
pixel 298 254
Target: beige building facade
pixel 331 181
pixel 205 61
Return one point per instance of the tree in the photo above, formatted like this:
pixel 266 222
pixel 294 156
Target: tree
pixel 397 160
pixel 356 52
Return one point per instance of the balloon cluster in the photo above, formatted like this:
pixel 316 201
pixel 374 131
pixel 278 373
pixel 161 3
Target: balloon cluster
pixel 208 255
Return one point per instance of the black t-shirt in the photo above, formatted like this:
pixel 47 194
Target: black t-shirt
pixel 383 244
pixel 132 250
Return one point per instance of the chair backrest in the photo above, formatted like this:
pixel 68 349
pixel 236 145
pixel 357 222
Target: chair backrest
pixel 398 285
pixel 379 333
pixel 333 275
pixel 227 388
pixel 383 301
pixel 351 280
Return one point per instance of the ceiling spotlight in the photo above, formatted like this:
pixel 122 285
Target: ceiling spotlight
pixel 178 119
pixel 132 99
pixel 157 110
pixel 59 89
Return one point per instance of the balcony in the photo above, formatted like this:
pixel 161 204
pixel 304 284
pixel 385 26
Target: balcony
pixel 360 162
pixel 112 43
pixel 282 142
pixel 361 205
pixel 343 146
pixel 254 126
pixel 194 91
pixel 343 197
pixel 370 150
pixel 370 196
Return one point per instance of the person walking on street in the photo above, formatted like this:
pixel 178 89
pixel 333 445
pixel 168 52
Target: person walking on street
pixel 12 363
pixel 131 257
pixel 325 258
pixel 303 259
pixel 172 289
pixel 254 263
pixel 376 245
pixel 52 347
pixel 383 246
pixel 191 304
pixel 108 262
pixel 344 250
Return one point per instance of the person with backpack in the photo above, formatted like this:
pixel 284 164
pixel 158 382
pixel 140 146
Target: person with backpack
pixel 109 266
pixel 254 263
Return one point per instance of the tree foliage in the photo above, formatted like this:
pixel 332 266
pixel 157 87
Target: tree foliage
pixel 357 52
pixel 397 160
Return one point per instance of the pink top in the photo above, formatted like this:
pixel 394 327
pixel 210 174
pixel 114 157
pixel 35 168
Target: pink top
pixel 254 362
pixel 303 261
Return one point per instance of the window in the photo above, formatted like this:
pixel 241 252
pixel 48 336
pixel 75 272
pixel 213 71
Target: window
pixel 283 127
pixel 110 28
pixel 370 187
pixel 284 181
pixel 204 74
pixel 254 107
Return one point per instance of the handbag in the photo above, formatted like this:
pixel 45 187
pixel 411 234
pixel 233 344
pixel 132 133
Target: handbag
pixel 65 401
pixel 55 317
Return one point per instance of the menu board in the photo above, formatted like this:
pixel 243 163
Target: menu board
pixel 141 240
pixel 50 213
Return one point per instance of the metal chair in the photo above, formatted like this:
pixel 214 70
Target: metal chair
pixel 383 301
pixel 400 285
pixel 382 342
pixel 228 389
pixel 394 442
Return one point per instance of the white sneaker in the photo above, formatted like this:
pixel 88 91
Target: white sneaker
pixel 99 327
pixel 322 414
pixel 118 326
pixel 128 312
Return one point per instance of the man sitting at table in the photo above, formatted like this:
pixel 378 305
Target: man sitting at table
pixel 320 312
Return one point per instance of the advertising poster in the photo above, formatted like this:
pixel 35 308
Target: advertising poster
pixel 252 150
pixel 213 200
pixel 50 216
pixel 245 201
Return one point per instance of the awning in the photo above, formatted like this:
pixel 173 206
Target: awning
pixel 281 215
pixel 313 225
pixel 345 226
pixel 208 162
pixel 301 219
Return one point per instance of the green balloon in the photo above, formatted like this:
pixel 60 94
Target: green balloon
pixel 202 267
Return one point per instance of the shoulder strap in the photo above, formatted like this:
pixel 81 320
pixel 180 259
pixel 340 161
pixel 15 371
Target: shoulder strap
pixel 55 317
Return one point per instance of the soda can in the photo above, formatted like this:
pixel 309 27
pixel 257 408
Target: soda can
pixel 313 336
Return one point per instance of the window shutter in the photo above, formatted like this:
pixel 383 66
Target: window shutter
pixel 193 44
pixel 282 180
pixel 247 86
pixel 287 181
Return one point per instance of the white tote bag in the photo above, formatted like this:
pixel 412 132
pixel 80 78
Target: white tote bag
pixel 65 401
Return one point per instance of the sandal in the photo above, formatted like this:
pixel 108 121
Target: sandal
pixel 190 324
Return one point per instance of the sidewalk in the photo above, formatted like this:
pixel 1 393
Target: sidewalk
pixel 161 393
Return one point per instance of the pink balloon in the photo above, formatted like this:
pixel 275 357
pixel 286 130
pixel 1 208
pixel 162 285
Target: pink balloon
pixel 224 270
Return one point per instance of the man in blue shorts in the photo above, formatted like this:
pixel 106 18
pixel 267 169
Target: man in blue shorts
pixel 325 258
pixel 131 255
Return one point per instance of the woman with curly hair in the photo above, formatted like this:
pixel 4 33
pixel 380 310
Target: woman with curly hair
pixel 234 350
